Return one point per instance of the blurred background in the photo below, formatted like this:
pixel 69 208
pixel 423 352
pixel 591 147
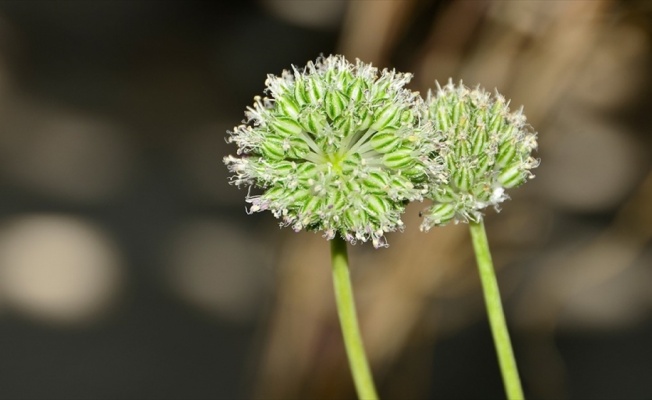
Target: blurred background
pixel 129 269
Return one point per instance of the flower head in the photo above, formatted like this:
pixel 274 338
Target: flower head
pixel 485 150
pixel 336 147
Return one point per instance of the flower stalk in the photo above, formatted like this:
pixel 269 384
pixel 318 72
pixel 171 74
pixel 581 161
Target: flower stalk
pixel 484 150
pixel 349 321
pixel 495 312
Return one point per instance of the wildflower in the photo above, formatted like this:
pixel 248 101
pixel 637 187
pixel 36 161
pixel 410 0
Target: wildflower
pixel 336 147
pixel 486 149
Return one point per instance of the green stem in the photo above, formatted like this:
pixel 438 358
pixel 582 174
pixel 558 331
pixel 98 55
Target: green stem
pixel 349 321
pixel 495 312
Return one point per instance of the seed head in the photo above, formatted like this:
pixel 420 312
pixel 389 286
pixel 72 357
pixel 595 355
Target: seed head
pixel 336 147
pixel 485 150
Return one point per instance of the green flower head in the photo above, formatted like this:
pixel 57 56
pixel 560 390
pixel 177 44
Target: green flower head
pixel 485 149
pixel 336 147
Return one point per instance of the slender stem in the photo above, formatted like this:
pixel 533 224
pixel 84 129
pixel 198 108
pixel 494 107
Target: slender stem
pixel 349 321
pixel 495 312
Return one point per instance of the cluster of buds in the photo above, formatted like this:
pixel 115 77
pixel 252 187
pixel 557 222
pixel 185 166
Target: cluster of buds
pixel 485 150
pixel 337 147
pixel 342 148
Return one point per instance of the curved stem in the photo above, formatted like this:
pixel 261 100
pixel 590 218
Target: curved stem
pixel 349 321
pixel 495 312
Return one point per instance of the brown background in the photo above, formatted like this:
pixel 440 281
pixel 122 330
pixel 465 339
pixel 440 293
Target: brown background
pixel 129 269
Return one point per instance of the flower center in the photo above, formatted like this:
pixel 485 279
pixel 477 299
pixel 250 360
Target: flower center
pixel 336 160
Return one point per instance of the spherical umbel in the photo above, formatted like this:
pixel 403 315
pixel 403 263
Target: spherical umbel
pixel 336 147
pixel 485 150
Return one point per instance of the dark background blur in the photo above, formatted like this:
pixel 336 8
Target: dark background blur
pixel 129 269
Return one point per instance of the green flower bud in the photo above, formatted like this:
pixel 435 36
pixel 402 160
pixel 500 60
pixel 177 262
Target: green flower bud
pixel 376 183
pixel 486 149
pixel 287 106
pixel 296 147
pixel 438 214
pixel 284 167
pixel 307 171
pixel 366 118
pixel 310 208
pixel 345 124
pixel 315 89
pixel 313 121
pixel 463 178
pixel 386 117
pixel 512 176
pixel 300 93
pixel 479 142
pixel 506 153
pixel 402 158
pixel 334 103
pixel 385 142
pixel 376 206
pixel 286 126
pixel 272 148
pixel 356 90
